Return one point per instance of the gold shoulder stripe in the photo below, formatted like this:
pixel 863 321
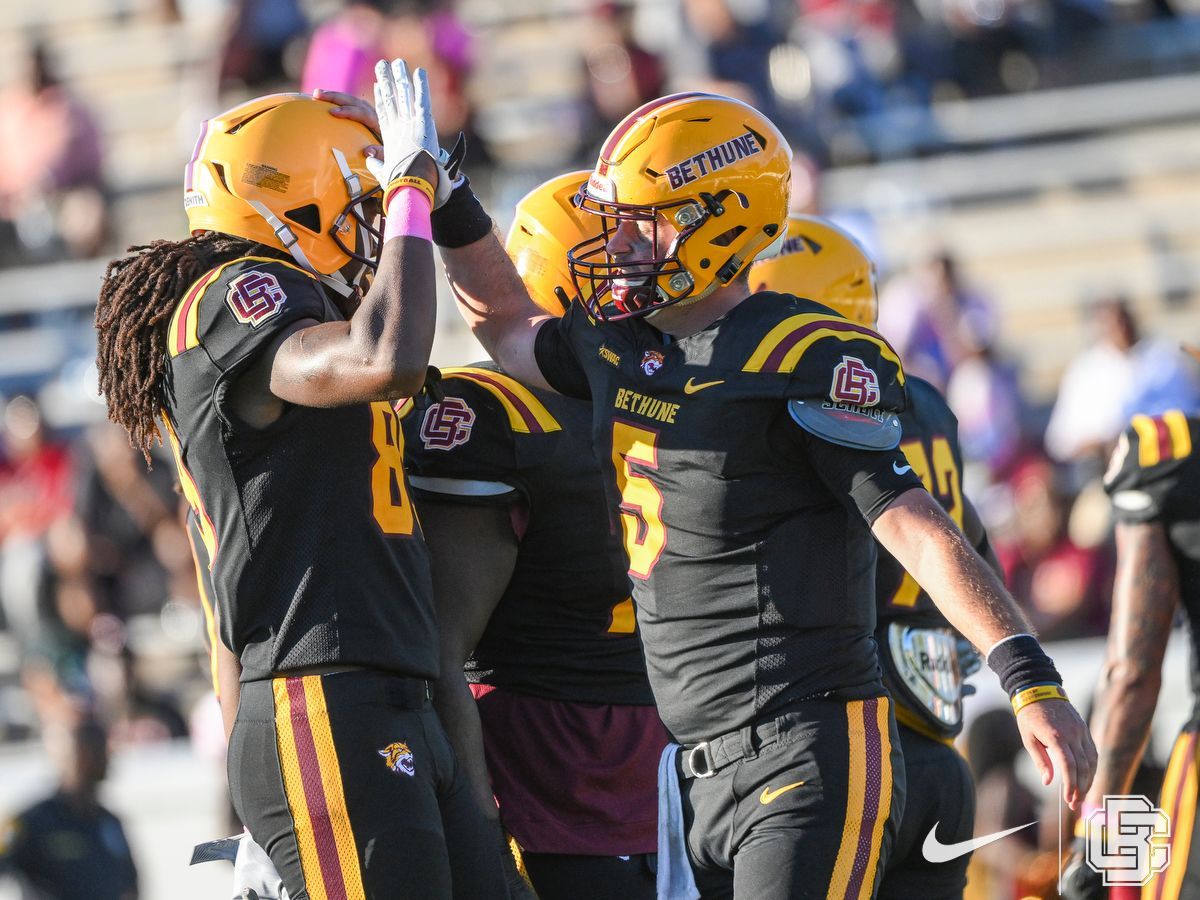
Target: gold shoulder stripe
pixel 785 344
pixel 1180 433
pixel 1162 438
pixel 526 414
pixel 185 321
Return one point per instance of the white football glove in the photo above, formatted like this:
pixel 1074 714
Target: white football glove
pixel 406 124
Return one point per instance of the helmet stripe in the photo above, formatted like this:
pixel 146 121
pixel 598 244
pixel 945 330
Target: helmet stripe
pixel 187 170
pixel 632 119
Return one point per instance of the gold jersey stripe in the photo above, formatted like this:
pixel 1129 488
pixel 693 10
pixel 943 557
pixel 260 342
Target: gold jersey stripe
pixel 526 414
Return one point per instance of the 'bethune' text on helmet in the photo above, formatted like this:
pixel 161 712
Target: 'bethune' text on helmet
pixel 546 224
pixel 823 262
pixel 281 171
pixel 715 168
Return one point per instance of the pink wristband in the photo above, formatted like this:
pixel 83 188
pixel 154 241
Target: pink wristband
pixel 408 215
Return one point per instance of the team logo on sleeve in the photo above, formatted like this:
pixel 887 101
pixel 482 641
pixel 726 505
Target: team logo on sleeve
pixel 447 424
pixel 651 362
pixel 854 382
pixel 255 297
pixel 399 758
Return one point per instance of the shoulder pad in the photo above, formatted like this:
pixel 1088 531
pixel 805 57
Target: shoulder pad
pixel 253 289
pixel 526 413
pixel 1149 447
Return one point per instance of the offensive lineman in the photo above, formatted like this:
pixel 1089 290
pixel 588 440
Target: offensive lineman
pixel 272 381
pixel 749 443
pixel 918 650
pixel 571 734
pixel 1153 480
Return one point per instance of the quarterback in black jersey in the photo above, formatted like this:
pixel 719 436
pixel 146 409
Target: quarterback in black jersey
pixel 539 610
pixel 273 390
pixel 1153 481
pixel 749 445
pixel 919 652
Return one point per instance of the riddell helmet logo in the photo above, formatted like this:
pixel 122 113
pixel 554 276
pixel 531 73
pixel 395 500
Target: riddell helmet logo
pixel 854 383
pixel 447 424
pixel 601 187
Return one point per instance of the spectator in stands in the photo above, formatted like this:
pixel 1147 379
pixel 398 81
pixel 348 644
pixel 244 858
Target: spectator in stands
pixel 1065 589
pixel 935 319
pixel 1117 374
pixel 51 185
pixel 343 50
pixel 68 846
pixel 35 492
pixel 621 73
pixel 256 43
pixel 984 393
pixel 726 54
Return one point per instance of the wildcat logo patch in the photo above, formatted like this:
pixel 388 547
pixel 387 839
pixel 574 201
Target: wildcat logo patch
pixel 399 758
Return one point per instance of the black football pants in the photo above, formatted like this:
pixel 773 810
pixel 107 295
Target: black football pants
pixel 812 814
pixel 939 790
pixel 349 783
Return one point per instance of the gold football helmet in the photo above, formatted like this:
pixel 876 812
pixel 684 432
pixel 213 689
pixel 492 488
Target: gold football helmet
pixel 545 226
pixel 823 262
pixel 716 169
pixel 282 171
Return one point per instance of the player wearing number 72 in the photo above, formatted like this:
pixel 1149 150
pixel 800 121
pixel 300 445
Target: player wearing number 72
pixel 271 371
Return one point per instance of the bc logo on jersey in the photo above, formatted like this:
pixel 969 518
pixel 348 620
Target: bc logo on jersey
pixel 255 297
pixel 447 424
pixel 854 383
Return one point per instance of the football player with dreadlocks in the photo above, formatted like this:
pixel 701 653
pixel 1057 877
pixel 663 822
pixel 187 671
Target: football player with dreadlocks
pixel 919 653
pixel 750 448
pixel 271 372
pixel 539 610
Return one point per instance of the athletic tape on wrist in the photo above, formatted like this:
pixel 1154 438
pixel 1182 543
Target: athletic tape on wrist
pixel 408 214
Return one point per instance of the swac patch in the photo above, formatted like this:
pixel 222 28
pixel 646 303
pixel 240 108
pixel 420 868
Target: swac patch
pixel 447 424
pixel 399 758
pixel 854 383
pixel 713 159
pixel 610 357
pixel 255 297
pixel 652 361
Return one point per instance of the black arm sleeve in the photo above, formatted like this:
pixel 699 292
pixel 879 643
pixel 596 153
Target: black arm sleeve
pixel 865 480
pixel 557 360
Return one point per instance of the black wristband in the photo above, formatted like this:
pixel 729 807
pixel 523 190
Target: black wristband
pixel 1021 663
pixel 461 220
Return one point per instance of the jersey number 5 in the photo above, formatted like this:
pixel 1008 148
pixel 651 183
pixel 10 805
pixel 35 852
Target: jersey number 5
pixel 389 497
pixel 939 473
pixel 641 501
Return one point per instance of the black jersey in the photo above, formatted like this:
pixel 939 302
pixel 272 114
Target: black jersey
pixel 930 443
pixel 753 565
pixel 315 551
pixel 564 628
pixel 1154 476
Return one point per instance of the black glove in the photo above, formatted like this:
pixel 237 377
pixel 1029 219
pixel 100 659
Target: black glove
pixel 1080 881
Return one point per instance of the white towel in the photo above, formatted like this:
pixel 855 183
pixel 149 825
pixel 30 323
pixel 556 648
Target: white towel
pixel 675 878
pixel 252 868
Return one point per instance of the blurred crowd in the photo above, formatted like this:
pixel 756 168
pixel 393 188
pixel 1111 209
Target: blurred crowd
pixel 100 622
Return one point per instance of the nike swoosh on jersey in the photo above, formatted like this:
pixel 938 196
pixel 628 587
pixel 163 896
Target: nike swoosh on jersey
pixel 936 852
pixel 768 795
pixel 900 470
pixel 691 387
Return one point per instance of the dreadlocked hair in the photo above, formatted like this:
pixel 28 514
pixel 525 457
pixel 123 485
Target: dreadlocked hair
pixel 138 296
